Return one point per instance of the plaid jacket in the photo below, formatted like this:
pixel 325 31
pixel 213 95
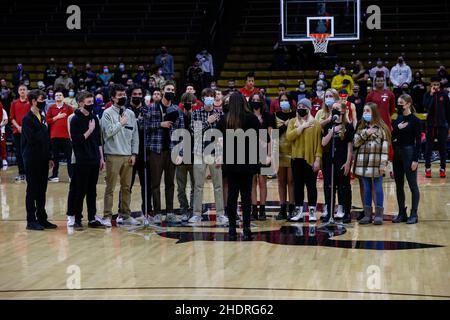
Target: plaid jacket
pixel 153 118
pixel 371 153
pixel 200 116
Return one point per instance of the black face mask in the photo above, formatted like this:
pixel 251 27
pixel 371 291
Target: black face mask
pixel 187 106
pixel 400 61
pixel 169 96
pixel 256 105
pixel 89 107
pixel 231 87
pixel 399 110
pixel 335 112
pixel 41 105
pixel 302 112
pixel 136 100
pixel 122 101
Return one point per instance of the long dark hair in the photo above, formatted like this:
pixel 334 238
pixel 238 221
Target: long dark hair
pixel 237 108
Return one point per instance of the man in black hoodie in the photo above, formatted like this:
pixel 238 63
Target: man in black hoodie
pixel 437 105
pixel 87 149
pixel 35 146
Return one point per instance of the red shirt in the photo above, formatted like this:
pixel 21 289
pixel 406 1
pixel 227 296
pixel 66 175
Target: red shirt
pixel 58 128
pixel 1 112
pixel 316 105
pixel 248 93
pixel 385 100
pixel 18 110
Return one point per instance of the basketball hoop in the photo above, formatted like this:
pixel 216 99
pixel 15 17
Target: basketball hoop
pixel 320 42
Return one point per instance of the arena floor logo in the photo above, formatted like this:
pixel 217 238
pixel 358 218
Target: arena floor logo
pixel 300 234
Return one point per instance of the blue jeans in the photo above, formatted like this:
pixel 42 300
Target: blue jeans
pixel 377 183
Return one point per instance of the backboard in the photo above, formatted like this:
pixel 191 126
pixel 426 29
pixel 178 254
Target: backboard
pixel 339 18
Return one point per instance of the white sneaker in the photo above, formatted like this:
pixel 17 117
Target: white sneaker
pixel 70 221
pixel 106 222
pixel 312 214
pixel 157 219
pixel 129 221
pixel 196 219
pixel 325 211
pixel 298 214
pixel 221 220
pixel 340 212
pixel 53 179
pixel 5 165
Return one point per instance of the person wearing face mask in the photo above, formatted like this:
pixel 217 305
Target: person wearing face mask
pixel 406 139
pixel 401 76
pixel 418 89
pixel 56 118
pixel 301 92
pixel 203 120
pixel 321 77
pixel 350 107
pixel 284 174
pixel 165 61
pixel 121 147
pixel 20 76
pixel 99 106
pixel 443 74
pixel 120 74
pixel 267 122
pixel 50 100
pixel 71 100
pixel 157 75
pixel 342 132
pixel 194 75
pixel 305 135
pixel 379 71
pixel 85 133
pixel 275 103
pixel 206 64
pixel 50 73
pixel 338 81
pixel 73 73
pixel 318 97
pixel 324 114
pixel 371 141
pixel 361 76
pixel 63 81
pixel 37 159
pixel 358 101
pixel 140 74
pixel 105 77
pixel 89 76
pixel 164 117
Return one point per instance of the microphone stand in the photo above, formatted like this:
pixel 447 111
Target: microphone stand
pixel 331 223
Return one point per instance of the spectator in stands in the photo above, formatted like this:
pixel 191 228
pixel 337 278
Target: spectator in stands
pixel 267 122
pixel 361 77
pixel 213 85
pixel 284 174
pixel 437 105
pixel 350 109
pixel 20 76
pixel 71 99
pixel 300 92
pixel 99 106
pixel 140 74
pixel 63 82
pixel 50 99
pixel 279 57
pixel 249 87
pixel 120 74
pixel 81 85
pixel 418 89
pixel 358 101
pixel 40 85
pixel 442 73
pixel 317 97
pixel 206 64
pixel 338 81
pixel 6 95
pixel 204 119
pixel 194 76
pixel 144 83
pixel 89 77
pixel 321 77
pixel 73 73
pixel 231 86
pixel 275 103
pixel 197 104
pixel 218 100
pixel 164 118
pixel 105 77
pixel 384 99
pixel 159 79
pixel 3 123
pixel 19 108
pixel 165 61
pixel 50 73
pixel 379 70
pixel 267 99
pixel 401 76
pixel 37 160
pixel 121 147
pixel 151 85
pixel 305 135
pixel 56 118
pixel 184 169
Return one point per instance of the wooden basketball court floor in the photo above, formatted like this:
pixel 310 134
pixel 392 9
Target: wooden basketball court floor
pixel 286 261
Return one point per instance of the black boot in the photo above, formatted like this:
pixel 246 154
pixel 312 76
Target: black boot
pixel 248 234
pixel 360 215
pixel 413 218
pixel 254 212
pixel 291 209
pixel 282 215
pixel 262 212
pixel 401 217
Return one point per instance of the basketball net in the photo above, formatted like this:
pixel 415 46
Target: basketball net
pixel 320 42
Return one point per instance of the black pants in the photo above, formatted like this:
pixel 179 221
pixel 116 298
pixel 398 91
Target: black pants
pixel 61 145
pixel 403 157
pixel 19 158
pixel 304 175
pixel 239 183
pixel 36 174
pixel 341 185
pixel 139 168
pixel 83 184
pixel 442 135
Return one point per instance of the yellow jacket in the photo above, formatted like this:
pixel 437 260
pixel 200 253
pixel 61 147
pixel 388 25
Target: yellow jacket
pixel 336 83
pixel 306 145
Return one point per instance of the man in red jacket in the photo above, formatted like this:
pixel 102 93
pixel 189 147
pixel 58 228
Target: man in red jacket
pixel 249 87
pixel 19 108
pixel 56 117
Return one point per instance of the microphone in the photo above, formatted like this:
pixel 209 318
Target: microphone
pixel 335 118
pixel 121 111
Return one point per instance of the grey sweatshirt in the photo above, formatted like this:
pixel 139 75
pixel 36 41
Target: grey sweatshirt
pixel 118 139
